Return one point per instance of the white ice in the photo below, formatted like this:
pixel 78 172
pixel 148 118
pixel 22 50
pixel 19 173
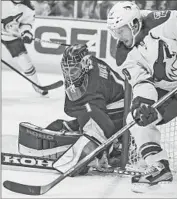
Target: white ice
pixel 21 104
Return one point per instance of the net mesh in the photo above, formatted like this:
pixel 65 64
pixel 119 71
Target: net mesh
pixel 168 141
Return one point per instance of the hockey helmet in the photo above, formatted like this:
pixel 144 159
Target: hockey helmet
pixel 121 14
pixel 17 1
pixel 74 72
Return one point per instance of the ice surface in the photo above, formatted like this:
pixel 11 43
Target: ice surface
pixel 21 104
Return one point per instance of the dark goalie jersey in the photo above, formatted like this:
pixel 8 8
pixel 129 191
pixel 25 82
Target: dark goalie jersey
pixel 105 87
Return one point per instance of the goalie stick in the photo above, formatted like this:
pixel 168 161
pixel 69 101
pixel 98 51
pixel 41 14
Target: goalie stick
pixel 48 87
pixel 43 164
pixel 39 190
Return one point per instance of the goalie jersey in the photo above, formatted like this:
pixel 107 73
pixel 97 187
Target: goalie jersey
pixel 16 19
pixel 153 60
pixel 105 87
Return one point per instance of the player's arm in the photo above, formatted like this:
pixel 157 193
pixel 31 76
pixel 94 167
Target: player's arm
pixel 144 91
pixel 26 25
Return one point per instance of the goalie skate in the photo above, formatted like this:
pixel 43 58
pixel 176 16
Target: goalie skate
pixel 156 175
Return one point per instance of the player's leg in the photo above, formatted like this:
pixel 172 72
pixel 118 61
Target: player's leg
pixel 148 142
pixel 18 51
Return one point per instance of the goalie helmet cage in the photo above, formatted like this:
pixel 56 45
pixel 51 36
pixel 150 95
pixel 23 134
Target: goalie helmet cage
pixel 130 159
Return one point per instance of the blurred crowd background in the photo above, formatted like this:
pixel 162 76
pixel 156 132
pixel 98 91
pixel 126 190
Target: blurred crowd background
pixel 93 9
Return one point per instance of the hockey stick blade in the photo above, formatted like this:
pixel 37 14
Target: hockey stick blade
pixel 31 189
pixel 39 190
pixel 20 188
pixel 52 86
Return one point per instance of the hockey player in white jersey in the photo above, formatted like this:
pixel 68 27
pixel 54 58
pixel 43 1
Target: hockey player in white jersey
pixel 16 28
pixel 147 55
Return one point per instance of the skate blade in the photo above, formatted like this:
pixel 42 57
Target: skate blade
pixel 147 188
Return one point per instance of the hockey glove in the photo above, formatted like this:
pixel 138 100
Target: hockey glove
pixel 27 36
pixel 142 111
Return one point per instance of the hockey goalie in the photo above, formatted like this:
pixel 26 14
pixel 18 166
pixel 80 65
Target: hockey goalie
pixel 94 96
pixel 147 55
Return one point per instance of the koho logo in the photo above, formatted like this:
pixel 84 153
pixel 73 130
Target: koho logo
pixel 26 161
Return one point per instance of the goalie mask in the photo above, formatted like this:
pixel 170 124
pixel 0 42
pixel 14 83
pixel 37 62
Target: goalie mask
pixel 75 71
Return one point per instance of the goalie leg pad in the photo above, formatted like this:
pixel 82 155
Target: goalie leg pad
pixel 75 153
pixel 83 147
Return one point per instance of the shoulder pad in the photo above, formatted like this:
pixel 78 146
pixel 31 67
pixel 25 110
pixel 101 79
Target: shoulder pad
pixel 121 53
pixel 151 21
pixel 157 18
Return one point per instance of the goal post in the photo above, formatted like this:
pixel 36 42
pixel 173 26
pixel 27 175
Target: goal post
pixel 126 134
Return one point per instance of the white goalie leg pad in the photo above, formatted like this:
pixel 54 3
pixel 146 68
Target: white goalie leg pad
pixel 71 156
pixel 93 130
pixel 81 148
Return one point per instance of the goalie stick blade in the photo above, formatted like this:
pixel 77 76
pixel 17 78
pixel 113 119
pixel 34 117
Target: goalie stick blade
pixel 23 189
pixel 52 86
pixel 30 189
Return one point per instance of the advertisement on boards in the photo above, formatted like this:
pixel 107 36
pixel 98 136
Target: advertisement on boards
pixel 46 56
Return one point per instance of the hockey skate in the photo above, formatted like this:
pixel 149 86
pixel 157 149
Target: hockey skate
pixel 41 92
pixel 157 174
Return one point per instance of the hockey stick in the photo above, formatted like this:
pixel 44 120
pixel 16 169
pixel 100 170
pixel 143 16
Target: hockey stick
pixel 36 39
pixel 39 190
pixel 89 43
pixel 22 162
pixel 50 42
pixel 48 87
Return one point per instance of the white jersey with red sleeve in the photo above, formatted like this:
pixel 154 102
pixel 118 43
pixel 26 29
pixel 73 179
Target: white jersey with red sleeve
pixel 153 61
pixel 16 20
